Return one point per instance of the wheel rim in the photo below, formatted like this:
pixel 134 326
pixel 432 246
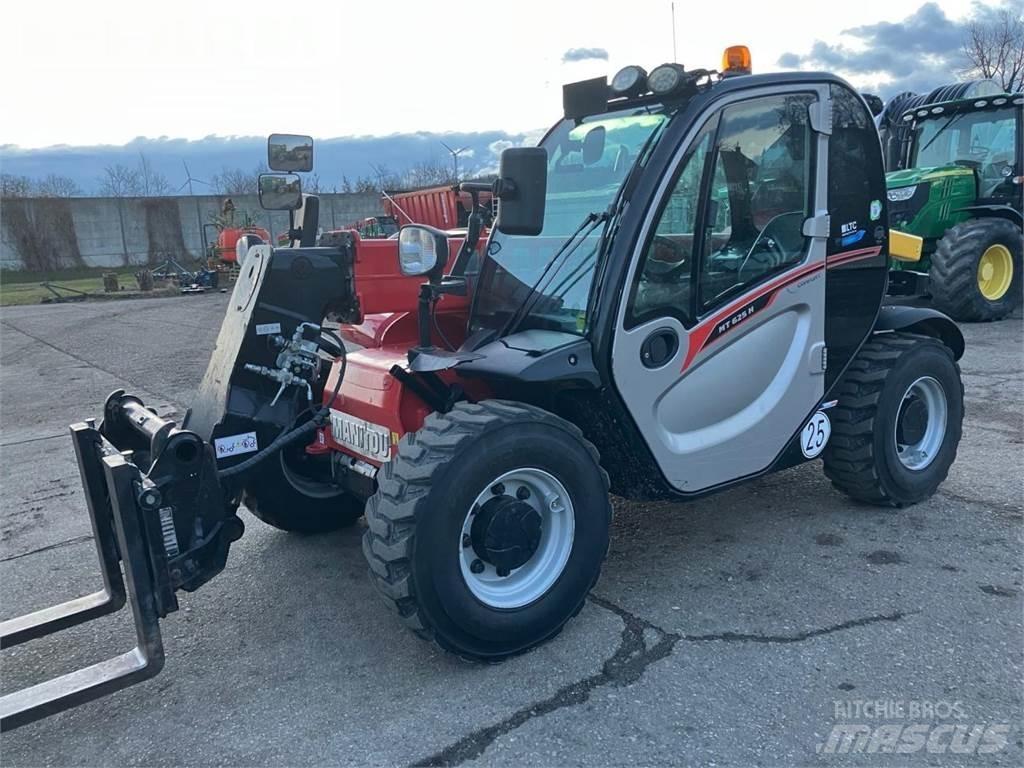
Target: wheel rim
pixel 995 272
pixel 307 486
pixel 520 499
pixel 921 423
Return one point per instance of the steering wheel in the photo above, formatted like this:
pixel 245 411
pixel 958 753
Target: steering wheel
pixel 766 251
pixel 666 260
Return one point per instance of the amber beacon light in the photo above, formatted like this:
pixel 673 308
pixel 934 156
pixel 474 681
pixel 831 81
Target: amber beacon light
pixel 736 60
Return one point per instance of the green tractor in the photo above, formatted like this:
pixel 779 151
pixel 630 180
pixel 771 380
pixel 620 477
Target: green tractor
pixel 961 189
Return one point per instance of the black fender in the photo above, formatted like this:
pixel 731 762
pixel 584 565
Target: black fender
pixel 922 320
pixel 990 211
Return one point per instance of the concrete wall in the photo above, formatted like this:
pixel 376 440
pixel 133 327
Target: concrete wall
pixel 54 233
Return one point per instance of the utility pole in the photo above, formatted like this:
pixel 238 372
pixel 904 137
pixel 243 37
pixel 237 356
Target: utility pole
pixel 455 158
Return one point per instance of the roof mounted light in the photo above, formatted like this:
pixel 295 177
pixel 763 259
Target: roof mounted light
pixel 736 61
pixel 629 81
pixel 665 79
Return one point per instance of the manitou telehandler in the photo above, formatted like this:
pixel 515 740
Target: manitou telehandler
pixel 682 291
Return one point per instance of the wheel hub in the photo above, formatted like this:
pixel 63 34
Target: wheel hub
pixel 913 421
pixel 516 538
pixel 506 532
pixel 921 423
pixel 995 272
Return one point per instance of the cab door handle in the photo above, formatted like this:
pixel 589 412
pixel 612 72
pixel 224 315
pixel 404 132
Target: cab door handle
pixel 658 348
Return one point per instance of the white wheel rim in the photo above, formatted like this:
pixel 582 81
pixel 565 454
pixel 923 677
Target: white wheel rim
pixel 534 578
pixel 922 452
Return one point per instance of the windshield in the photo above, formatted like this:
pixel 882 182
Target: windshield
pixel 587 164
pixel 984 141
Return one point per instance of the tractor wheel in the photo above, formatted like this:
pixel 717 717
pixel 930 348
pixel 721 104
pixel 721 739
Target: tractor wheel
pixel 976 271
pixel 489 527
pixel 281 494
pixel 897 426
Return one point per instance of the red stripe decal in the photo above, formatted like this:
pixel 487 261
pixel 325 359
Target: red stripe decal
pixel 699 336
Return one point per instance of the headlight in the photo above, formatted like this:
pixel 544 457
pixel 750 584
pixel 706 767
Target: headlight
pixel 900 194
pixel 629 81
pixel 665 79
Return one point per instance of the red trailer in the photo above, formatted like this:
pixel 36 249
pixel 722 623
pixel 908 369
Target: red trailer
pixel 443 206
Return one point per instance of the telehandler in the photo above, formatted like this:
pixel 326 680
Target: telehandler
pixel 683 290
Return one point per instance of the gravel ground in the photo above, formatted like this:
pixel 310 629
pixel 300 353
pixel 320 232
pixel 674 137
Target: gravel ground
pixel 754 627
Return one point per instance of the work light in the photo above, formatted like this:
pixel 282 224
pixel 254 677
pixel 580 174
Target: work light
pixel 666 78
pixel 629 81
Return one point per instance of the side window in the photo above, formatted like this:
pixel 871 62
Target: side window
pixel 662 286
pixel 760 194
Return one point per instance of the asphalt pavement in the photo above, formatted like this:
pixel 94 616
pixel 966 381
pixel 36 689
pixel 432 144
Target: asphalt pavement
pixel 778 623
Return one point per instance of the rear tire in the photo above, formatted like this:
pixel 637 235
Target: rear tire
pixel 881 450
pixel 446 476
pixel 280 496
pixel 957 277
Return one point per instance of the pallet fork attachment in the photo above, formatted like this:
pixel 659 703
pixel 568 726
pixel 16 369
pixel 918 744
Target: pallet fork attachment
pixel 168 526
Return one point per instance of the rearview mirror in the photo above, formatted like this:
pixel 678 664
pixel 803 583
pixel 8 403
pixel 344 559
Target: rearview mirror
pixel 280 191
pixel 521 189
pixel 290 152
pixel 422 250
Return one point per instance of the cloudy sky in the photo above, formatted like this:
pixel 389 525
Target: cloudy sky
pixel 108 72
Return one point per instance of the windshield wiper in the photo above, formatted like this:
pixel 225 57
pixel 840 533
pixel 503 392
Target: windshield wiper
pixel 941 130
pixel 564 251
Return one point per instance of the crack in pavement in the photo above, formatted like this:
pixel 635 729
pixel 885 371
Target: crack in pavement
pixel 738 637
pixel 65 543
pixel 627 665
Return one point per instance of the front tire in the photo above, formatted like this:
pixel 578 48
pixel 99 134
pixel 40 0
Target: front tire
pixel 489 527
pixel 282 493
pixel 897 426
pixel 976 271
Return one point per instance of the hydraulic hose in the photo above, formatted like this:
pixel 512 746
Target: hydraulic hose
pixel 290 437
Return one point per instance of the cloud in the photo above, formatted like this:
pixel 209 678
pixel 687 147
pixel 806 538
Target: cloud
pixel 918 53
pixel 585 54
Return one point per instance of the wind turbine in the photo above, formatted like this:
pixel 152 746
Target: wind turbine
pixel 455 158
pixel 199 216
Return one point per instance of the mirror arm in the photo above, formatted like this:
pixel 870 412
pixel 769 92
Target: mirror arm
pixel 473 229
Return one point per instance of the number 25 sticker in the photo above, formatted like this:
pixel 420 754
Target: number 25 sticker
pixel 814 436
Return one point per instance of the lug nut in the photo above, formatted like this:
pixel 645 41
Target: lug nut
pixel 498 489
pixel 522 493
pixel 503 572
pixel 466 541
pixel 477 566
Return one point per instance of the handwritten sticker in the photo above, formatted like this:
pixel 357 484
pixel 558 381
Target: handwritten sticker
pixel 235 445
pixel 265 329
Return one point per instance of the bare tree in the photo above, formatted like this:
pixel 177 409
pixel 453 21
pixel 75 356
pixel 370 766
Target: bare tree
pixel 55 185
pixel 235 181
pixel 428 173
pixel 120 181
pixel 15 186
pixel 152 183
pixel 994 46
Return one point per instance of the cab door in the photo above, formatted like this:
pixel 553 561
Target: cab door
pixel 719 354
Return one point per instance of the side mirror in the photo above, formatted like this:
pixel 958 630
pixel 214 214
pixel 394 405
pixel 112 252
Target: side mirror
pixel 422 250
pixel 290 152
pixel 521 189
pixel 280 191
pixel 593 145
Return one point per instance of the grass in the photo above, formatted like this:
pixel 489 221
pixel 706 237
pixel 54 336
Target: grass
pixel 24 287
